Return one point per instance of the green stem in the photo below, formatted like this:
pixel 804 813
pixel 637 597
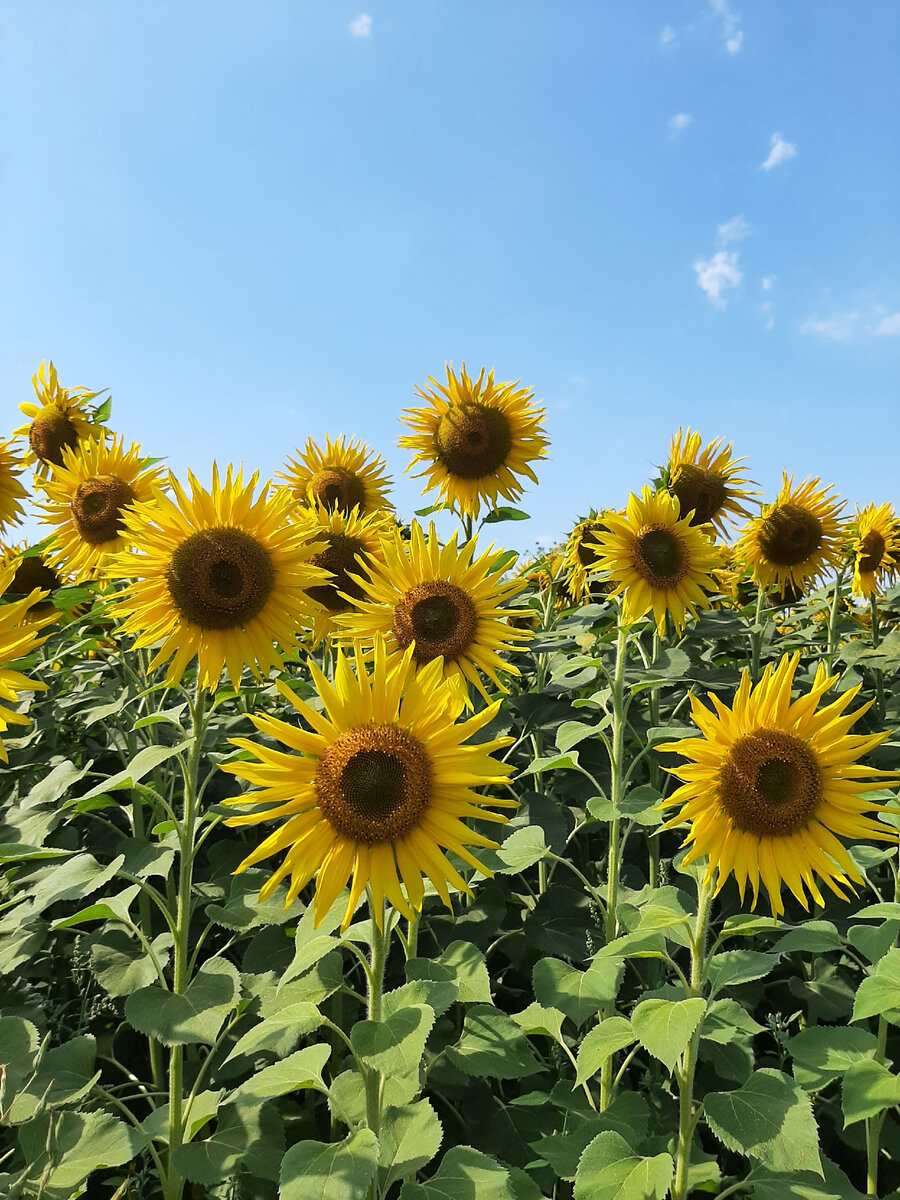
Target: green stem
pixel 756 636
pixel 375 978
pixel 876 671
pixel 181 977
pixel 833 619
pixel 685 1076
pixel 874 1123
pixel 655 771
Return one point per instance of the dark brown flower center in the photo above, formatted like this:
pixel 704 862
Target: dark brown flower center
pixel 52 432
pixel 473 440
pixel 439 617
pixel 374 783
pixel 97 508
pixel 220 578
pixel 341 556
pixel 589 545
pixel 33 573
pixel 790 535
pixel 788 594
pixel 660 556
pixel 700 492
pixel 334 488
pixel 770 783
pixel 872 550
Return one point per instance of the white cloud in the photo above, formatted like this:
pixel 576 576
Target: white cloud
pixel 836 329
pixel 667 35
pixel 731 25
pixel 680 121
pixel 734 230
pixel 733 44
pixel 781 151
pixel 718 273
pixel 767 282
pixel 888 326
pixel 361 26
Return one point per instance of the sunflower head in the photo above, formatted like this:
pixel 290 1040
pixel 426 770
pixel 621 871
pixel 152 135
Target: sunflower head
pixel 376 787
pixel 709 482
pixel 875 546
pixel 20 634
pixel 580 559
pixel 215 575
pixel 343 476
pixel 62 419
pixel 12 492
pixel 474 439
pixel 796 538
pixel 657 559
pixel 773 784
pixel 31 572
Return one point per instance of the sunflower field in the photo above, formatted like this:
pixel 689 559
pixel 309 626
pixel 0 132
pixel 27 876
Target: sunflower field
pixel 344 859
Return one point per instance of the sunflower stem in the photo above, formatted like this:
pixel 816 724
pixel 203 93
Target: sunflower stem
pixel 685 1075
pixel 374 1079
pixel 876 671
pixel 833 619
pixel 756 635
pixel 655 772
pixel 875 1123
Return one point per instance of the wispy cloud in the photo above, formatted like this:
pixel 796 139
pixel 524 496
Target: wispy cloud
pixel 836 329
pixel 888 326
pixel 667 35
pixel 734 230
pixel 361 26
pixel 680 122
pixel 733 44
pixel 731 25
pixel 718 273
pixel 781 151
pixel 767 282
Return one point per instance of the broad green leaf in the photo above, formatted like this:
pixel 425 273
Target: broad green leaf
pixel 302 1069
pixel 113 908
pixel 610 1170
pixel 874 941
pixel 579 994
pixel 204 1108
pixel 64 1075
pixel 72 880
pixel 492 1046
pixel 552 762
pixel 247 1136
pixel 536 1019
pixel 467 964
pixel 142 764
pixel 395 1045
pixel 195 1016
pixel 665 1027
pixel 738 966
pixel 821 1053
pixel 464 1174
pixel 727 1021
pixel 615 1033
pixel 19 852
pixel 280 1033
pixel 18 1045
pixel 769 1119
pixel 244 910
pixel 308 954
pixel 814 937
pixel 335 1171
pixel 120 964
pixel 80 1143
pixel 868 1088
pixel 570 733
pixel 410 1138
pixel 880 993
pixel 522 849
pixel 627 1116
pixel 347 1095
pixel 504 513
pixel 438 992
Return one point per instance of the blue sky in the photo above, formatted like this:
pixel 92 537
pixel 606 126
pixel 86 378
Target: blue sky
pixel 259 221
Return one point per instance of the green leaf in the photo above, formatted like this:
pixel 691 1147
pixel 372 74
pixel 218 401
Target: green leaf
pixel 615 1033
pixel 308 952
pixel 727 1021
pixel 300 1070
pixel 142 764
pixel 335 1171
pixel 102 411
pixel 205 1106
pixel 880 993
pixel 120 965
pixel 537 1020
pixel 410 1138
pixel 580 994
pixel 738 966
pixel 19 852
pixel 464 1174
pixel 438 992
pixel 627 1116
pixel 247 1136
pixel 468 966
pixel 18 1046
pixel 492 1046
pixel 570 733
pixel 280 1033
pixel 505 514
pixel 522 849
pixel 244 910
pixel 665 1027
pixel 113 908
pixel 610 1170
pixel 874 941
pixel 552 762
pixel 821 1053
pixel 79 1144
pixel 64 1075
pixel 869 1087
pixel 814 937
pixel 195 1016
pixel 72 880
pixel 769 1119
pixel 395 1045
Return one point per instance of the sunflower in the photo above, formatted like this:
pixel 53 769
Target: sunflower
pixel 218 575
pixel 876 549
pixel 771 783
pixel 89 495
pixel 474 439
pixel 60 420
pixel 709 484
pixel 659 560
pixel 580 558
pixel 795 539
pixel 346 475
pixel 30 572
pixel 377 788
pixel 11 490
pixel 444 602
pixel 349 543
pixel 19 635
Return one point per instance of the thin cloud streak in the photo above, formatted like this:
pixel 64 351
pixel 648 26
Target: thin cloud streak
pixel 781 151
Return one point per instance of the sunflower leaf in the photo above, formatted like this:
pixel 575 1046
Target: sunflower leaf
pixel 610 1170
pixel 615 1033
pixel 665 1027
pixel 464 1174
pixel 868 1088
pixel 769 1119
pixel 880 993
pixel 196 1015
pixel 496 515
pixel 335 1171
pixel 492 1046
pixel 410 1137
pixel 395 1045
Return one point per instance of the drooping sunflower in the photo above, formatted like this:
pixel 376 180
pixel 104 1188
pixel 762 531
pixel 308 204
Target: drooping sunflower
pixel 215 575
pixel 89 496
pixel 19 635
pixel 12 492
pixel 580 558
pixel 474 439
pixel 343 476
pixel 444 601
pixel 350 543
pixel 709 483
pixel 658 559
pixel 377 787
pixel 875 544
pixel 795 539
pixel 773 784
pixel 60 420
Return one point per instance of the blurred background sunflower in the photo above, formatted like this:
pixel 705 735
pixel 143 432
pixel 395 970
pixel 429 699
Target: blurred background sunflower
pixel 709 482
pixel 61 419
pixel 343 476
pixel 875 546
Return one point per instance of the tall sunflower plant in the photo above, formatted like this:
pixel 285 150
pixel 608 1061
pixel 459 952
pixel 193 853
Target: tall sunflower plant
pixel 340 854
